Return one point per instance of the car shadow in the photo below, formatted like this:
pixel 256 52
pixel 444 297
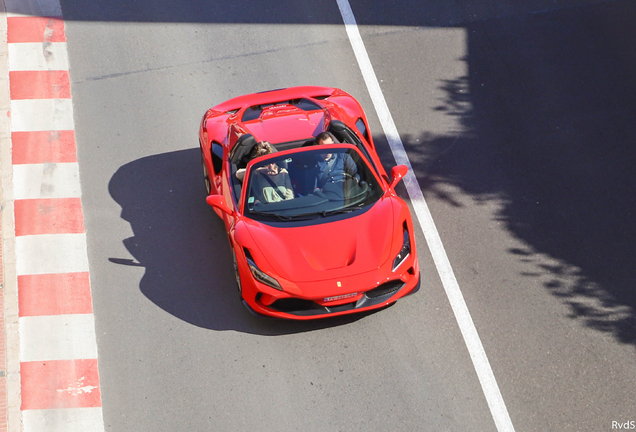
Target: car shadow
pixel 183 247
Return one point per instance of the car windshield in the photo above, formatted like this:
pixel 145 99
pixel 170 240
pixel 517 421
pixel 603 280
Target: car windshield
pixel 313 183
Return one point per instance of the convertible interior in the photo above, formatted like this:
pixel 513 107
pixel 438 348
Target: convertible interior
pixel 299 170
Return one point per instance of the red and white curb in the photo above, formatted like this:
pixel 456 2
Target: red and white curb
pixel 58 350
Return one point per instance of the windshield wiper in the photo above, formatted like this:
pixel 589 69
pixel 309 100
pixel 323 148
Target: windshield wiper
pixel 276 215
pixel 338 211
pixel 326 213
pixel 305 216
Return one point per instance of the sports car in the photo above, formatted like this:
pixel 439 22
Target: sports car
pixel 315 227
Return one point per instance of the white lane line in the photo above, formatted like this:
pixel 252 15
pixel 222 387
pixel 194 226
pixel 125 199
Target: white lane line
pixel 63 420
pixel 460 309
pixel 38 56
pixel 32 115
pixel 51 253
pixel 57 337
pixel 47 180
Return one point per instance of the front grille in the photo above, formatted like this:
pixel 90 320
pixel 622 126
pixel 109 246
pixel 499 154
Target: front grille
pixel 385 288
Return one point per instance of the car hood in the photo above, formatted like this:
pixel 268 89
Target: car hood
pixel 355 244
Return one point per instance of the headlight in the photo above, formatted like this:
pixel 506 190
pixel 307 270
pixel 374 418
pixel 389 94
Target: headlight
pixel 404 252
pixel 263 277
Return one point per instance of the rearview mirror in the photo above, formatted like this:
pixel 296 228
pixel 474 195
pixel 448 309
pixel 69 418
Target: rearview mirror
pixel 218 202
pixel 397 174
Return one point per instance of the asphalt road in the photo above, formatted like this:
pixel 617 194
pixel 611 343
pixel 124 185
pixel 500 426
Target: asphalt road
pixel 518 120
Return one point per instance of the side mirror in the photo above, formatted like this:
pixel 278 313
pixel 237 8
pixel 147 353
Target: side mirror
pixel 397 174
pixel 218 202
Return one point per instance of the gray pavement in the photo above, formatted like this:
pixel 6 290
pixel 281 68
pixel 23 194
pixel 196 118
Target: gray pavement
pixel 518 119
pixel 531 193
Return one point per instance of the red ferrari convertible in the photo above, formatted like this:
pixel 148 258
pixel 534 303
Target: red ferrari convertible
pixel 314 224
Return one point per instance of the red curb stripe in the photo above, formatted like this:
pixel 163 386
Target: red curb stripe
pixel 48 216
pixel 60 384
pixel 40 85
pixel 54 294
pixel 35 29
pixel 43 146
pixel 55 384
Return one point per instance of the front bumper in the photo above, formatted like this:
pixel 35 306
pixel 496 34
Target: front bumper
pixel 298 308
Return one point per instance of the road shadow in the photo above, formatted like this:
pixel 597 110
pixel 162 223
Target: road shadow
pixel 183 247
pixel 435 13
pixel 548 111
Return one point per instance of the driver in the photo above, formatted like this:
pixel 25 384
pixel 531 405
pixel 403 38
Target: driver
pixel 332 167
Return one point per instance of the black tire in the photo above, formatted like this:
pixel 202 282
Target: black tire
pixel 236 273
pixel 206 177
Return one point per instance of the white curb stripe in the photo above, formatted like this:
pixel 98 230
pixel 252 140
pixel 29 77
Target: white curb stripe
pixel 460 309
pixel 38 56
pixel 51 253
pixel 49 180
pixel 63 420
pixel 32 115
pixel 57 337
pixel 69 339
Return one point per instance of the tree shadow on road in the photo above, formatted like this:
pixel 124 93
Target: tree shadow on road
pixel 184 248
pixel 548 110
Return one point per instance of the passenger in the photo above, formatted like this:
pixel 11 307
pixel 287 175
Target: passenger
pixel 261 149
pixel 271 184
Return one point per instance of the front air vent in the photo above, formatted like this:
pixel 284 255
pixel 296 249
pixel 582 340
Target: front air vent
pixel 385 289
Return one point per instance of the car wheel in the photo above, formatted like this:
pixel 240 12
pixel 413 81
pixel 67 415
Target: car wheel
pixel 236 273
pixel 206 177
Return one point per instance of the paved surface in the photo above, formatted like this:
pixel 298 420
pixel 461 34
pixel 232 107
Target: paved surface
pixel 518 120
